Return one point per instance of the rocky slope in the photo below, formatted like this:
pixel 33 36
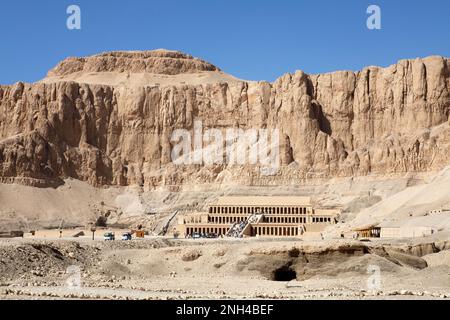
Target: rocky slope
pixel 378 121
pixel 157 62
pixel 257 269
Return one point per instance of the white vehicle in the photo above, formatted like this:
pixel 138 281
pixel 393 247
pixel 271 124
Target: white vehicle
pixel 126 236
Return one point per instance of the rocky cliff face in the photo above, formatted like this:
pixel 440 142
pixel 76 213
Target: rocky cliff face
pixel 377 121
pixel 157 62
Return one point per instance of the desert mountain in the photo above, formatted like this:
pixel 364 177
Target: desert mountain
pixel 108 119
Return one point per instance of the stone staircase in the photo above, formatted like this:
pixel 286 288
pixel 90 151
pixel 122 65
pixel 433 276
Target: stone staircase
pixel 238 229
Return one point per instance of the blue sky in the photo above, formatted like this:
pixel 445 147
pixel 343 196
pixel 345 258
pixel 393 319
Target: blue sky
pixel 251 39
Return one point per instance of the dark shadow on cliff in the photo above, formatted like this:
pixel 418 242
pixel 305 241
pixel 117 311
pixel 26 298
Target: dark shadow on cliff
pixel 324 123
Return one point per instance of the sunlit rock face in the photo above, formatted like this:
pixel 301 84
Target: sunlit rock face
pixel 109 119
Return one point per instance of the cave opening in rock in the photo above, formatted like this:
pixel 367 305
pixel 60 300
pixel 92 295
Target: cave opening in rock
pixel 284 273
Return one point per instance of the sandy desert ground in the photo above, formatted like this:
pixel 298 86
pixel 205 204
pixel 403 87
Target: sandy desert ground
pixel 164 268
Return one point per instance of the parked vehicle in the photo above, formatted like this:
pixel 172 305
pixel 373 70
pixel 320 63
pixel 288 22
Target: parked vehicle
pixel 196 235
pixel 212 236
pixel 109 236
pixel 126 236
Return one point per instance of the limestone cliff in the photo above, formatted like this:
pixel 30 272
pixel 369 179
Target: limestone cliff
pixel 80 123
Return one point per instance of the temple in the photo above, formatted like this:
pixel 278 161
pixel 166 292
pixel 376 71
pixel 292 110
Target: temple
pixel 258 216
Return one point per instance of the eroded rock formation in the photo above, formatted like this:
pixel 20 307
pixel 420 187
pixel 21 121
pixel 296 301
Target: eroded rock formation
pixel 377 121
